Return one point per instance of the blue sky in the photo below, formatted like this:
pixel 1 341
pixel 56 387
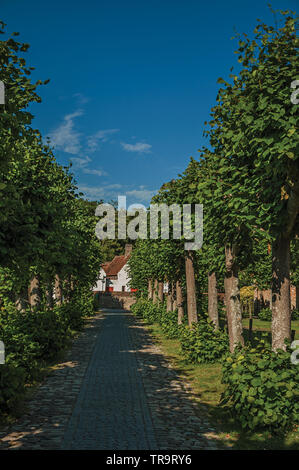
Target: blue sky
pixel 131 82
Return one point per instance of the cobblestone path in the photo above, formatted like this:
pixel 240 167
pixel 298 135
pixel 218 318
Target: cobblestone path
pixel 111 411
pixel 114 391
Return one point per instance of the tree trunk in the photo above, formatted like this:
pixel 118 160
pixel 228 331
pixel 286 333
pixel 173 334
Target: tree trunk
pixel 256 301
pixel 213 299
pixel 160 291
pixel 281 298
pixel 154 289
pixel 155 292
pixel 34 294
pixel 150 290
pixel 22 300
pixel 49 296
pixel 58 290
pixel 271 297
pixel 179 299
pixel 168 302
pixel 68 289
pixel 169 298
pixel 173 296
pixel 191 291
pixel 232 300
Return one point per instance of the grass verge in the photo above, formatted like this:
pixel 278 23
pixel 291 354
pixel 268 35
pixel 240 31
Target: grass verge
pixel 262 325
pixel 205 380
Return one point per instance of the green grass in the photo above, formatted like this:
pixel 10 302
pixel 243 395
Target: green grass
pixel 262 325
pixel 205 380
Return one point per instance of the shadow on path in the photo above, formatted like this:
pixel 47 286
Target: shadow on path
pixel 114 391
pixel 178 421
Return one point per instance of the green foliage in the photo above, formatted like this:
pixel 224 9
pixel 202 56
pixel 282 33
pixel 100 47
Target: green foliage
pixel 43 222
pixel 295 315
pixel 32 338
pixel 138 307
pixel 265 314
pixel 96 302
pixel 248 183
pixel 155 259
pixel 15 119
pixel 262 388
pixel 258 272
pixel 295 261
pixel 202 303
pixel 83 303
pixel 46 231
pixel 202 344
pixel 157 313
pixel 253 133
pixel 169 324
pixel 146 309
pixel 12 386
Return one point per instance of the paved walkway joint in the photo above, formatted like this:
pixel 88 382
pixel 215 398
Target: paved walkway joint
pixel 114 391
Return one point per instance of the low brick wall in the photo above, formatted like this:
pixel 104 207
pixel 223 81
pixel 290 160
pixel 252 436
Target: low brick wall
pixel 116 299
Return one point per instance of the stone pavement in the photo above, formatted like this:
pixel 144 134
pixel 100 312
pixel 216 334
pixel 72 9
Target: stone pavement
pixel 114 391
pixel 43 424
pixel 111 411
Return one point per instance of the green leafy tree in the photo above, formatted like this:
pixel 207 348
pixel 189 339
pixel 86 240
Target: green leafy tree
pixel 253 132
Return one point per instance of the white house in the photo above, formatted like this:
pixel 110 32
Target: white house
pixel 114 276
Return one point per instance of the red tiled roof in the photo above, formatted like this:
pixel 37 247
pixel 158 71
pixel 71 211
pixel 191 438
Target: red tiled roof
pixel 113 268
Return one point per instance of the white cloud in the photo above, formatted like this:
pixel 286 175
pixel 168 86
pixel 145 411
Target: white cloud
pixel 92 192
pixel 81 98
pixel 99 137
pixel 114 186
pixel 105 191
pixel 90 171
pixel 65 137
pixel 108 192
pixel 139 147
pixel 82 164
pixel 144 195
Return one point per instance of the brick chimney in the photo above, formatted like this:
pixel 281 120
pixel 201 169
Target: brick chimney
pixel 128 249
